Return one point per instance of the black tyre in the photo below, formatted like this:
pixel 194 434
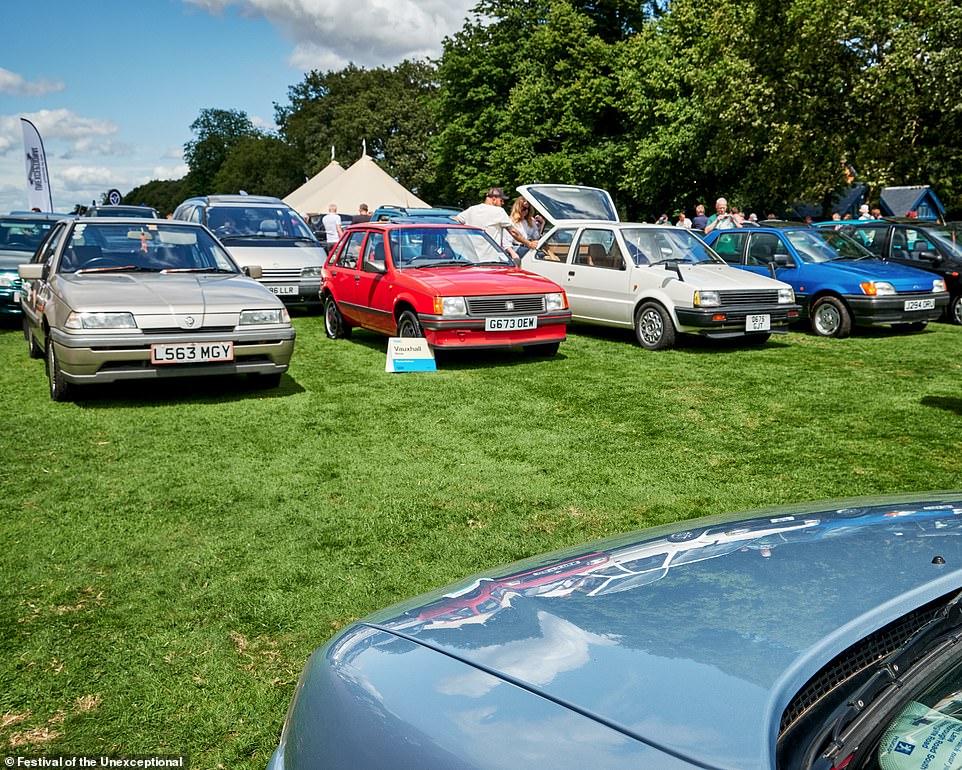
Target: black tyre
pixel 60 389
pixel 953 312
pixel 653 327
pixel 334 324
pixel 546 349
pixel 33 348
pixel 408 325
pixel 830 318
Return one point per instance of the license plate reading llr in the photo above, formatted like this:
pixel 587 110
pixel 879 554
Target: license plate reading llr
pixel 514 323
pixel 192 353
pixel 284 289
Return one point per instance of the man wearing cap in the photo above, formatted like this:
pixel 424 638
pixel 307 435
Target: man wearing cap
pixel 491 217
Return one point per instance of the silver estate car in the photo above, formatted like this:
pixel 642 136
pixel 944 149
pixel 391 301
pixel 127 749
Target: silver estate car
pixel 120 299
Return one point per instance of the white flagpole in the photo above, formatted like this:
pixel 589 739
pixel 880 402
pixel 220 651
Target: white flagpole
pixel 39 194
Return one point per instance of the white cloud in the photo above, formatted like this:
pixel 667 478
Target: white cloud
pixel 14 84
pixel 76 179
pixel 329 34
pixel 166 172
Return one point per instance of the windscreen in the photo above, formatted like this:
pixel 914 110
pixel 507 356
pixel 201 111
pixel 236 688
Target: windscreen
pixel 161 247
pixel 416 247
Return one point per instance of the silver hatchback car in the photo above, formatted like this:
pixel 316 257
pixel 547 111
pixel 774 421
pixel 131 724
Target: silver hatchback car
pixel 120 299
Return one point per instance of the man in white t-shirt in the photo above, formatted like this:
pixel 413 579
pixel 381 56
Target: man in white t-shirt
pixel 332 225
pixel 491 217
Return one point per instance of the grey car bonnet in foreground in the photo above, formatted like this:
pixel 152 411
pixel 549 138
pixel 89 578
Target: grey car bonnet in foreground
pixel 679 646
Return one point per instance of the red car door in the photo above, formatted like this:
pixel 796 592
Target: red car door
pixel 374 289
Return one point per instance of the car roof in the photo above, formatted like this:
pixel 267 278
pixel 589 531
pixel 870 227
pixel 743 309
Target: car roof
pixel 240 200
pixel 702 656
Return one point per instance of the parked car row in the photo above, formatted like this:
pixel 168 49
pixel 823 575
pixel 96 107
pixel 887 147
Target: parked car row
pixel 110 298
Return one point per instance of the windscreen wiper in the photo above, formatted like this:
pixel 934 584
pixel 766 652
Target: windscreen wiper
pixel 868 705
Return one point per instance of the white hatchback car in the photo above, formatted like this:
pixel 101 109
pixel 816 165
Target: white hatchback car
pixel 659 280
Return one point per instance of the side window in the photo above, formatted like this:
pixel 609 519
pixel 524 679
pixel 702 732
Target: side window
pixel 729 246
pixel 598 248
pixel 762 248
pixel 348 256
pixel 374 254
pixel 556 248
pixel 917 243
pixel 872 238
pixel 49 246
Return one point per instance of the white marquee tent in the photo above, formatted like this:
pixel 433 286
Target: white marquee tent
pixel 363 182
pixel 301 198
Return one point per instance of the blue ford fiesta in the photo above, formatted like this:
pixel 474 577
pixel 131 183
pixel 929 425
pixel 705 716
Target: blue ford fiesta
pixel 805 638
pixel 838 283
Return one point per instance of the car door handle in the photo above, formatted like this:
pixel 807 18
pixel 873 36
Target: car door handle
pixel 357 279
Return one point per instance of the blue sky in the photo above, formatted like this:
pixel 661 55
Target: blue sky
pixel 113 85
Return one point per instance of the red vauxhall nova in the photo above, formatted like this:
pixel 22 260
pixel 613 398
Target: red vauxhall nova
pixel 448 283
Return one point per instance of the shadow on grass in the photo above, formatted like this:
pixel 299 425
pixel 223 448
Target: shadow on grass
pixel 465 358
pixel 181 390
pixel 947 403
pixel 689 343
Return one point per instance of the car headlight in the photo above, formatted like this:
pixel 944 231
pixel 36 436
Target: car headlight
pixel 938 285
pixel 450 306
pixel 9 279
pixel 786 296
pixel 707 299
pixel 877 288
pixel 100 321
pixel 555 302
pixel 311 272
pixel 276 315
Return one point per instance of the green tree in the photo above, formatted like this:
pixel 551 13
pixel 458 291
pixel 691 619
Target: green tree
pixel 528 93
pixel 216 132
pixel 259 165
pixel 164 195
pixel 388 109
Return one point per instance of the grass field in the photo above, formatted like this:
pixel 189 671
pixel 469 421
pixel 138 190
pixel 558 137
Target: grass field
pixel 173 552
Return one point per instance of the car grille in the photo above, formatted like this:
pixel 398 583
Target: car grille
pixel 736 298
pixel 201 330
pixel 506 305
pixel 857 658
pixel 280 274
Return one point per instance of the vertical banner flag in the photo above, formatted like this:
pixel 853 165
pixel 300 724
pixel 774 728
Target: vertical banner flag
pixel 38 182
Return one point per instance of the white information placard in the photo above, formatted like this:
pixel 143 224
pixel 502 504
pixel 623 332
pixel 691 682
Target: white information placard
pixel 409 354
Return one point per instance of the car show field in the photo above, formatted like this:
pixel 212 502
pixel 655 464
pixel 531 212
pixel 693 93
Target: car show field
pixel 176 550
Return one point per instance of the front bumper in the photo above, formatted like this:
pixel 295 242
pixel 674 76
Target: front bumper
pixel 296 293
pixel 890 309
pixel 462 332
pixel 727 321
pixel 88 358
pixel 10 300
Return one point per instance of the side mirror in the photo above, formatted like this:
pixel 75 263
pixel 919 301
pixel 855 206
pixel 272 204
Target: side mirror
pixel 32 271
pixel 782 260
pixel 378 266
pixel 253 271
pixel 932 256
